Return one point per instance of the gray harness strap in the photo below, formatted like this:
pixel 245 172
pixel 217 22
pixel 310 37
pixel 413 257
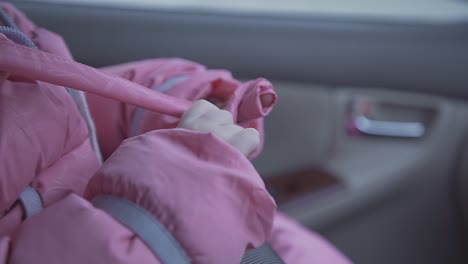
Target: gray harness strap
pixel 6 19
pixel 30 201
pixel 11 31
pixel 139 112
pixel 261 255
pixel 143 224
pixel 17 36
pixel 148 229
pixel 80 101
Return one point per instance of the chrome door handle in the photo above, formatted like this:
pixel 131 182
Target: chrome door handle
pixel 388 128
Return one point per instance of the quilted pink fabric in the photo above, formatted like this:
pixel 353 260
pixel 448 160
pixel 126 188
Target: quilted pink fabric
pixel 215 205
pixel 197 206
pixel 44 141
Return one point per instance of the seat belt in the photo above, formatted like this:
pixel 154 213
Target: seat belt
pixel 262 255
pixel 30 201
pixel 139 112
pixel 145 226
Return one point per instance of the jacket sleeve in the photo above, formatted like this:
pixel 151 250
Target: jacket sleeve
pixel 179 78
pixel 202 191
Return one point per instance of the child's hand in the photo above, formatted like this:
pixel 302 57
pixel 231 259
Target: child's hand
pixel 206 117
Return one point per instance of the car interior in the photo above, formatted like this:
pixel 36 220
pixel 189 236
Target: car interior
pixel 367 144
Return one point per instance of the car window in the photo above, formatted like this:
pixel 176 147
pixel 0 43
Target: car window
pixel 399 9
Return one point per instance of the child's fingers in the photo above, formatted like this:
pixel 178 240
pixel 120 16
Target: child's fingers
pixel 245 141
pixel 197 110
pixel 226 132
pixel 206 117
pixel 219 117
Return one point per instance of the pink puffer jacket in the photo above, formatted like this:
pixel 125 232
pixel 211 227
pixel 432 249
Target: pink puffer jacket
pixel 158 192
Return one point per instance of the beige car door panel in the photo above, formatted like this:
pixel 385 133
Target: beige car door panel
pixel 397 205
